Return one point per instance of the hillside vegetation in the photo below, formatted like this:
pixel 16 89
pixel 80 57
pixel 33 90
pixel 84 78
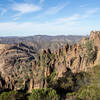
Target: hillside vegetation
pixel 80 86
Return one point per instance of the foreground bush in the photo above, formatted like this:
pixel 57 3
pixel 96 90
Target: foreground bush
pixel 91 54
pixel 85 93
pixel 12 95
pixel 43 94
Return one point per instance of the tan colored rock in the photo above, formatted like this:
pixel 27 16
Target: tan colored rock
pixel 31 85
pixel 58 52
pixel 43 51
pixel 47 71
pixel 83 41
pixel 65 48
pixel 95 36
pixel 48 51
pixel 98 58
pixel 74 57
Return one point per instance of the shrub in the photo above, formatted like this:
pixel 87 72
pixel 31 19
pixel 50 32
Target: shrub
pixel 12 95
pixel 52 56
pixel 82 79
pixel 86 93
pixel 43 94
pixel 90 50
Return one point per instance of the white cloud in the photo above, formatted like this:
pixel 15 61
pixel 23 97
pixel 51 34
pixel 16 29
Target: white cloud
pixel 90 12
pixel 23 29
pixel 25 8
pixel 53 10
pixel 84 5
pixel 68 25
pixel 68 19
pixel 33 28
pixel 77 17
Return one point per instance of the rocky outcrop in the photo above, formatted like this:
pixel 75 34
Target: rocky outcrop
pixel 13 65
pixel 95 36
pixel 22 67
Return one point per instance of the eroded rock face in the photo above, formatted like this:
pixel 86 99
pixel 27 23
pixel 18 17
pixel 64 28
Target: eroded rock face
pixel 95 36
pixel 22 67
pixel 13 64
pixel 74 58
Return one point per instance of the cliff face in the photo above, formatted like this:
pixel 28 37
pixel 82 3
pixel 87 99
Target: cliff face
pixel 15 63
pixel 22 67
pixel 95 36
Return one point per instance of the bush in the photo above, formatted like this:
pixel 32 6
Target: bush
pixel 12 95
pixel 43 94
pixel 89 88
pixel 62 84
pixel 90 50
pixel 89 93
pixel 82 79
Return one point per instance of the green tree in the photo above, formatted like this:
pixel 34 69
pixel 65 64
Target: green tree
pixel 43 94
pixel 90 50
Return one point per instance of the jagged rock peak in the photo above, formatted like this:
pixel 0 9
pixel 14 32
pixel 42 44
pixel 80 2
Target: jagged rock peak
pixel 48 51
pixel 95 36
pixel 65 48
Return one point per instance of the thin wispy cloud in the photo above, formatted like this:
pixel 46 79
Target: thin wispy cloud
pixel 90 12
pixel 77 17
pixel 41 1
pixel 68 19
pixel 53 10
pixel 30 28
pixel 60 25
pixel 48 16
pixel 25 8
pixel 84 5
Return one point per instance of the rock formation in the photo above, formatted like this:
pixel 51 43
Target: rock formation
pixel 22 67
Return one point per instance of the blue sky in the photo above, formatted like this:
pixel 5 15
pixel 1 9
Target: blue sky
pixel 49 17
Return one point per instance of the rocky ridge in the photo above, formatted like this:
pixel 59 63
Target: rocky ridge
pixel 22 67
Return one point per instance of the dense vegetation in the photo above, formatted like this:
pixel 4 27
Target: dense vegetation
pixel 90 50
pixel 90 91
pixel 56 88
pixel 12 95
pixel 43 94
pixel 80 86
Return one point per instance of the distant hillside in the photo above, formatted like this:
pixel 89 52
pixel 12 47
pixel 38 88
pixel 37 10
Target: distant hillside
pixel 42 41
